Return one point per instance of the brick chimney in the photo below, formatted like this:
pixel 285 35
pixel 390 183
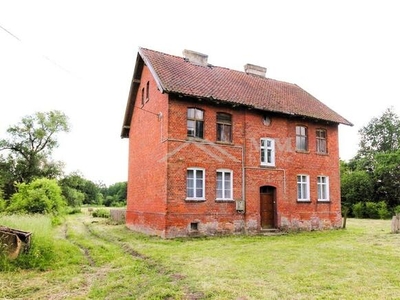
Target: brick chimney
pixel 196 58
pixel 255 70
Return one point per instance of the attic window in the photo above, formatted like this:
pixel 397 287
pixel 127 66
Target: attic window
pixel 142 96
pixel 266 120
pixel 147 91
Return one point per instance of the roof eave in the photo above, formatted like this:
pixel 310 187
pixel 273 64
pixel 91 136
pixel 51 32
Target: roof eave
pixel 141 60
pixel 137 74
pixel 234 103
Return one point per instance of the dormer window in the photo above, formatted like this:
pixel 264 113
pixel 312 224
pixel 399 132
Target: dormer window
pixel 195 122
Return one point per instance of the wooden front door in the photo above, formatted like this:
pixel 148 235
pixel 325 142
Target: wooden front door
pixel 267 207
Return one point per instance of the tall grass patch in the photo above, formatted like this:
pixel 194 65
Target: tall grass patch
pixel 44 251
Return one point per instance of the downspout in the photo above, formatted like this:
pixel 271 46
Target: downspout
pixel 244 171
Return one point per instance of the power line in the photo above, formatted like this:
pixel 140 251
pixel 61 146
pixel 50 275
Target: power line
pixel 43 56
pixel 13 35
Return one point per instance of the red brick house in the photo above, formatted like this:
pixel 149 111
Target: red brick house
pixel 219 151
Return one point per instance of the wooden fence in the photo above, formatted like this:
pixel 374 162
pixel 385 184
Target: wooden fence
pixel 118 215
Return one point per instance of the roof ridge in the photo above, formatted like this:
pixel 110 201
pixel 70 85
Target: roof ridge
pixel 176 75
pixel 221 67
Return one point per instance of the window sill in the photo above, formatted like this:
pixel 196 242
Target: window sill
pixel 302 151
pixel 267 166
pixel 193 138
pixel 224 200
pixel 303 201
pixel 224 143
pixel 195 200
pixel 323 153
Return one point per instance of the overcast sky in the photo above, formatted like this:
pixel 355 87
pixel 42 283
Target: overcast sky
pixel 78 57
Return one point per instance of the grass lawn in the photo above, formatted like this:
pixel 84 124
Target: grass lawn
pixel 98 260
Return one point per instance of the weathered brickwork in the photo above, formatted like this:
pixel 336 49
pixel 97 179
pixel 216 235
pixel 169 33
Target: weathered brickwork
pixel 160 153
pixel 147 171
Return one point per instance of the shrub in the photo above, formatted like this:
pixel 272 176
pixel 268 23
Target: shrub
pixel 397 209
pixel 371 210
pixel 101 213
pixel 358 210
pixel 2 205
pixel 73 210
pixel 42 196
pixel 383 210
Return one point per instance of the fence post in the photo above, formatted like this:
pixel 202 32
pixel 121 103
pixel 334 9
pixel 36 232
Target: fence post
pixel 396 223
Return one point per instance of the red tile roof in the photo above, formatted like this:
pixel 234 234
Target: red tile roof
pixel 178 75
pixel 175 74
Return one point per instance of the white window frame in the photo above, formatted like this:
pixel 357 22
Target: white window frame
pixel 224 187
pixel 266 149
pixel 195 187
pixel 320 188
pixel 304 182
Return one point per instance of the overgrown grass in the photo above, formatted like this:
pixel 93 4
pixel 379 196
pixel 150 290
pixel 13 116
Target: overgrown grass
pixel 103 261
pixel 47 250
pixel 357 263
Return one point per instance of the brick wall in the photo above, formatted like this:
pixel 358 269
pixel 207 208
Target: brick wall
pixel 215 217
pixel 292 214
pixel 146 207
pixel 212 216
pixel 161 153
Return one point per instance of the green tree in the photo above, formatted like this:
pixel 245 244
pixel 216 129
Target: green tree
pixel 71 189
pixel 92 193
pixel 387 178
pixel 29 146
pixel 380 135
pixel 78 190
pixel 41 196
pixel 356 186
pixel 115 194
pixel 373 175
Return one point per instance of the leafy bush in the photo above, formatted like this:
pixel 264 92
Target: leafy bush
pixel 73 196
pixel 358 210
pixel 73 210
pixel 383 210
pixel 41 196
pixel 3 205
pixel 397 209
pixel 371 210
pixel 101 213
